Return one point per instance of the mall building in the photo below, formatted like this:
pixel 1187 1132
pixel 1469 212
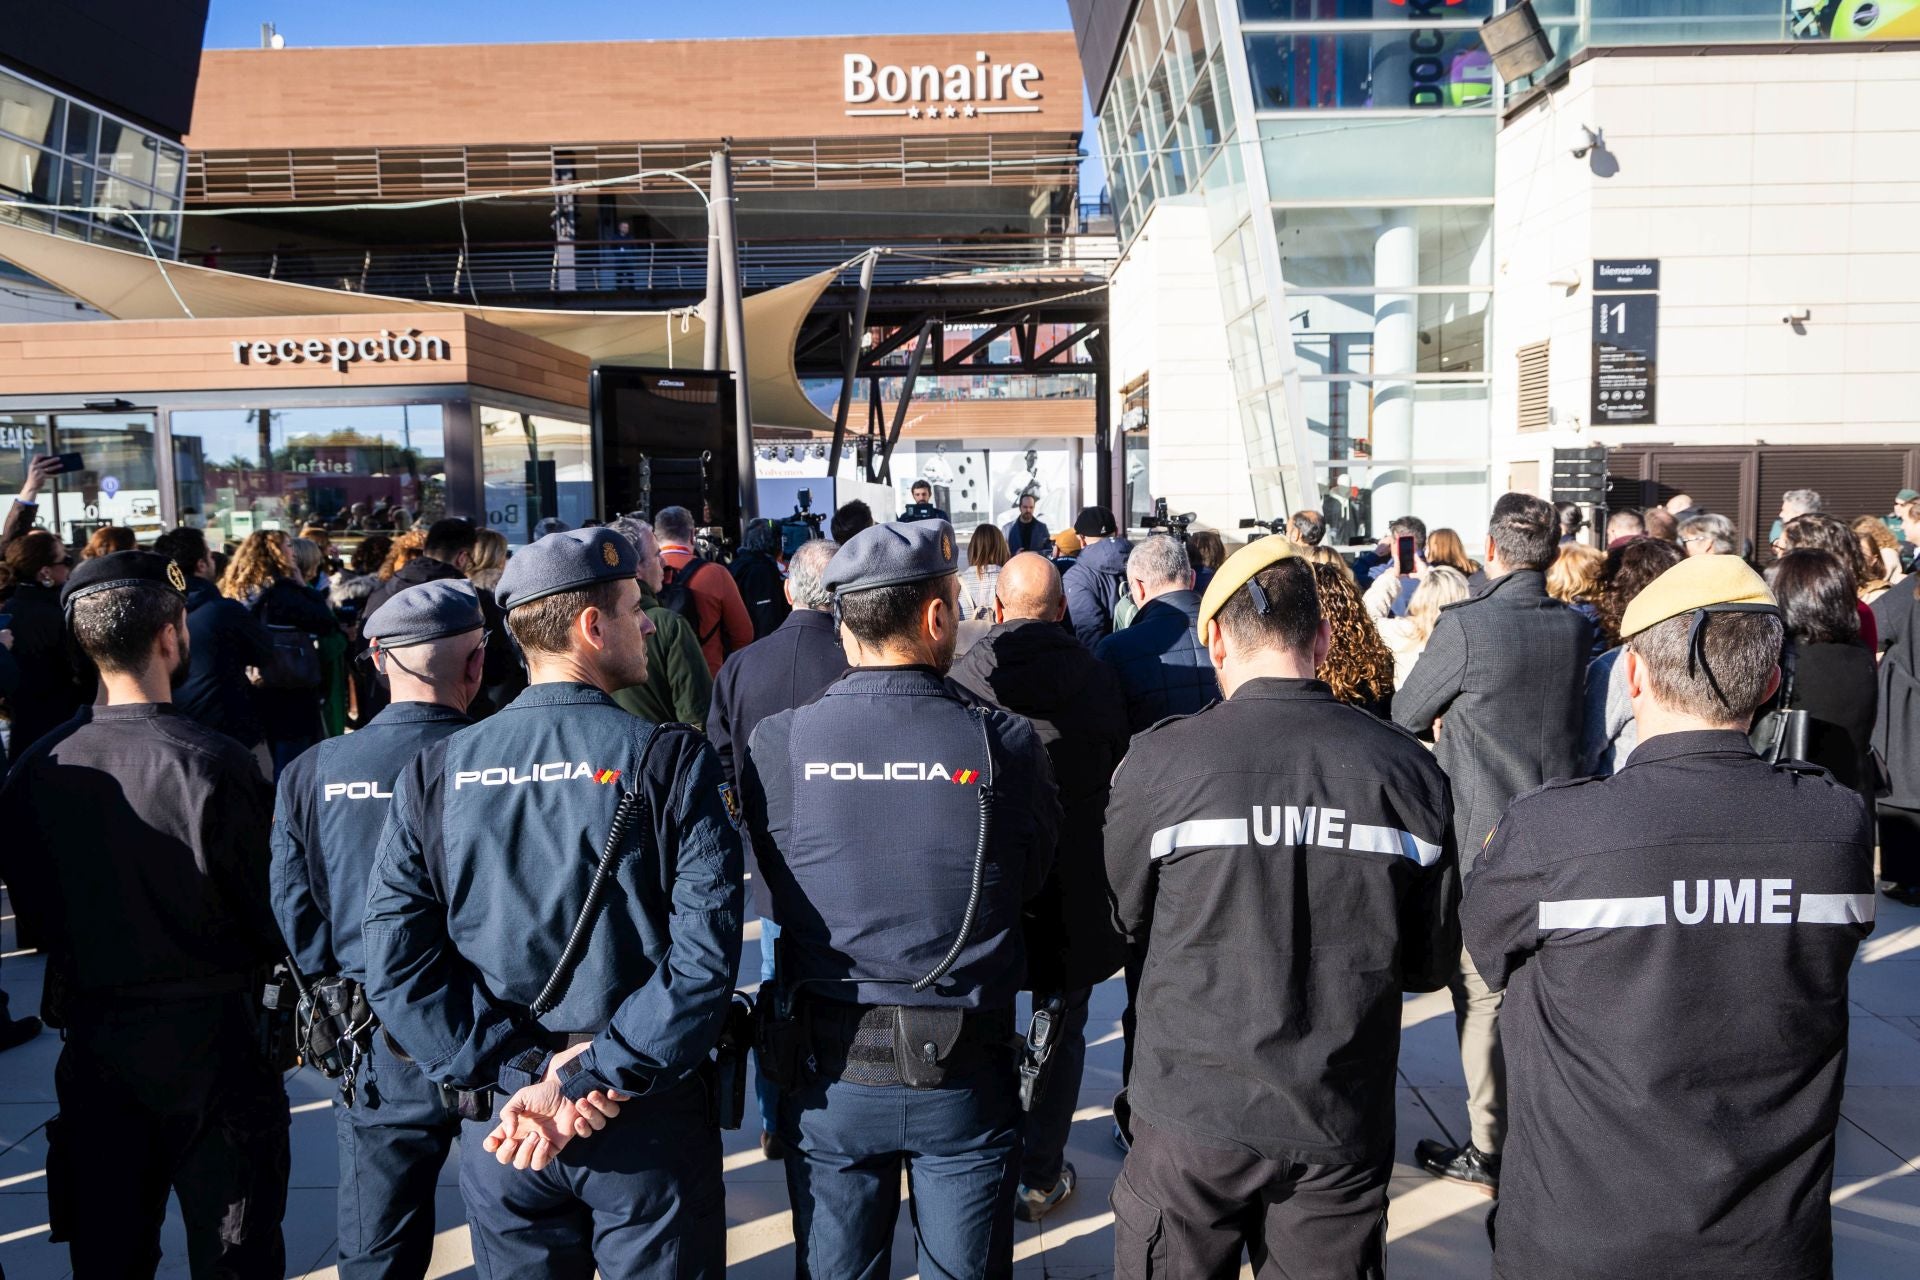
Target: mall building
pixel 342 188
pixel 1361 274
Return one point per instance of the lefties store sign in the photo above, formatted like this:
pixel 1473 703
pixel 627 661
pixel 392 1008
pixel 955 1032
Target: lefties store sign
pixel 958 90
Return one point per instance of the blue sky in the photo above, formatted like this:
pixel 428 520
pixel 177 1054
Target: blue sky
pixel 233 25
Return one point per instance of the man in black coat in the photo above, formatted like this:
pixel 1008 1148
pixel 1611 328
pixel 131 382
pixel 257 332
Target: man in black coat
pixel 448 549
pixel 790 668
pixel 1098 575
pixel 1163 666
pixel 1033 666
pixel 226 640
pixel 1507 671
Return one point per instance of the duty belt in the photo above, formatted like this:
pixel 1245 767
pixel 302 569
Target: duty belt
pixel 857 1043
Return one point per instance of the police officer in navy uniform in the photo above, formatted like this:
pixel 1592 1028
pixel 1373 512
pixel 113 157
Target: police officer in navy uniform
pixel 395 1128
pixel 900 831
pixel 134 841
pixel 1283 868
pixel 1674 942
pixel 553 927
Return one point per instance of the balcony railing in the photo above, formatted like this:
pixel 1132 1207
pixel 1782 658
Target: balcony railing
pixel 454 272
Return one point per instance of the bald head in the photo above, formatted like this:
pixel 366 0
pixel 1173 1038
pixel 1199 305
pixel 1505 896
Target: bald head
pixel 1029 587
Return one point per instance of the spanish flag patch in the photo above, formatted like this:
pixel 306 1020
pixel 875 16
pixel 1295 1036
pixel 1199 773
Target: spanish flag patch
pixel 965 776
pixel 606 776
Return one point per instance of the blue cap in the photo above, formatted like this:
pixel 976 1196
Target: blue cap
pixel 569 561
pixel 886 555
pixel 430 611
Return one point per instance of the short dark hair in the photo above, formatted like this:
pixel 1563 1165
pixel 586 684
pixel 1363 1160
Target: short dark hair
pixel 1293 613
pixel 1817 597
pixel 117 628
pixel 371 553
pixel 1307 527
pixel 449 538
pixel 675 524
pixel 1570 517
pixel 1525 531
pixel 849 520
pixel 921 484
pixel 1742 649
pixel 880 614
pixel 185 546
pixel 543 625
pixel 1410 524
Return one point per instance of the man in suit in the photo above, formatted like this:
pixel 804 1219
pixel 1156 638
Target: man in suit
pixel 1506 670
pixel 1162 662
pixel 1026 532
pixel 790 668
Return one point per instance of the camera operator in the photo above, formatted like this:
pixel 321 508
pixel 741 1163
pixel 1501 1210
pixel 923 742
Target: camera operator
pixel 922 508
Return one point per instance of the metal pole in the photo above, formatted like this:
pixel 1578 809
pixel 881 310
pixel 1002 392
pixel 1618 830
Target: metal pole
pixel 906 398
pixel 726 227
pixel 858 332
pixel 1109 481
pixel 710 306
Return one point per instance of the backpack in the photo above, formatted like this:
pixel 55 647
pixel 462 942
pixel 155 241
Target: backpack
pixel 676 593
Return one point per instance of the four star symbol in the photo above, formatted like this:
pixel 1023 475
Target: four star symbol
pixel 935 112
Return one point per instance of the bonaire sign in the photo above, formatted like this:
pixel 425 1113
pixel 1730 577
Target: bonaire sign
pixel 982 87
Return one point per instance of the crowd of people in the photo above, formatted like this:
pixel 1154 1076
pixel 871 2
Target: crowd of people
pixel 504 824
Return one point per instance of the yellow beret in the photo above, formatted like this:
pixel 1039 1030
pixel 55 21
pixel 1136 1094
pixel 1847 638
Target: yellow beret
pixel 1239 570
pixel 1701 582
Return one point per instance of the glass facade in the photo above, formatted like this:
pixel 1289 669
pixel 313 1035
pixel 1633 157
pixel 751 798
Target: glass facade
pixel 118 482
pixel 238 470
pixel 535 467
pixel 1344 149
pixel 57 151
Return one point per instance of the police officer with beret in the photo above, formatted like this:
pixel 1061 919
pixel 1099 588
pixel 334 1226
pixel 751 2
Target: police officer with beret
pixel 136 846
pixel 395 1129
pixel 1283 867
pixel 552 928
pixel 900 830
pixel 1676 977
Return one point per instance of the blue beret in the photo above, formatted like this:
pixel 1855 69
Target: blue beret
pixel 886 555
pixel 430 611
pixel 569 561
pixel 123 569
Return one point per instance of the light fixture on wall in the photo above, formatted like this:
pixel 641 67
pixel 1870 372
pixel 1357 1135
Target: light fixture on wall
pixel 1516 42
pixel 1585 138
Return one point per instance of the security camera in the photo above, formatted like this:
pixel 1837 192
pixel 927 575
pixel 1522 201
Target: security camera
pixel 1797 318
pixel 1584 139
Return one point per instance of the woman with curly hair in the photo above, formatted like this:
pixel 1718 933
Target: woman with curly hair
pixel 265 577
pixel 407 547
pixel 1574 580
pixel 106 540
pixel 1358 666
pixel 1881 552
pixel 1609 735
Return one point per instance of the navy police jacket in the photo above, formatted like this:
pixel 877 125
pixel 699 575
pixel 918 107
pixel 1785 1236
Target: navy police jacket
pixel 327 820
pixel 493 838
pixel 865 812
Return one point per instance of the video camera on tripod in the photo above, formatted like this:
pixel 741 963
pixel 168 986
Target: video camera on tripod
pixel 1175 525
pixel 1276 525
pixel 802 526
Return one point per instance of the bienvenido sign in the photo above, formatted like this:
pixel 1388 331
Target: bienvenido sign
pixel 982 88
pixel 342 352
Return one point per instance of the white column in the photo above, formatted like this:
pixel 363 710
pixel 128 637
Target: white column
pixel 1396 353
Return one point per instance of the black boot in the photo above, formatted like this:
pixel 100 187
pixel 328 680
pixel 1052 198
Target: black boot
pixel 1467 1165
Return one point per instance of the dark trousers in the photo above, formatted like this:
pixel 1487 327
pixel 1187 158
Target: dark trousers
pixel 1043 1144
pixel 159 1097
pixel 957 1146
pixel 1899 844
pixel 640 1200
pixel 1183 1208
pixel 393 1141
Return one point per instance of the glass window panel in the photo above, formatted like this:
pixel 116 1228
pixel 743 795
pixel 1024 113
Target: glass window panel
pixel 1456 497
pixel 1244 352
pixel 1322 248
pixel 264 468
pixel 22 435
pixel 29 112
pixel 1222 93
pixel 1413 157
pixel 80 130
pixel 76 184
pixel 1209 24
pixel 1358 10
pixel 1158 108
pixel 1172 169
pixel 1346 418
pixel 1148 33
pixel 169 170
pixel 1187 48
pixel 1384 69
pixel 534 467
pixel 1684 21
pixel 29 171
pixel 1203 116
pixel 1126 86
pixel 115 447
pixel 1335 332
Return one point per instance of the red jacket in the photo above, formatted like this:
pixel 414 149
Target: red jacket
pixel 724 624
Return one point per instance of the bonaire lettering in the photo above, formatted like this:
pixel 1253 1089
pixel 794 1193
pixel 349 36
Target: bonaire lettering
pixel 514 776
pixel 886 771
pixel 354 791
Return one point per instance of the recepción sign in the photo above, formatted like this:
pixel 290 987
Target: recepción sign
pixel 343 352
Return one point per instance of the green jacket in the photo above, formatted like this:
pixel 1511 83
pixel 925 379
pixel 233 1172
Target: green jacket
pixel 679 687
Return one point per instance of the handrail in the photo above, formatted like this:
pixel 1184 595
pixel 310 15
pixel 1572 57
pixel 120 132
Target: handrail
pixel 657 266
